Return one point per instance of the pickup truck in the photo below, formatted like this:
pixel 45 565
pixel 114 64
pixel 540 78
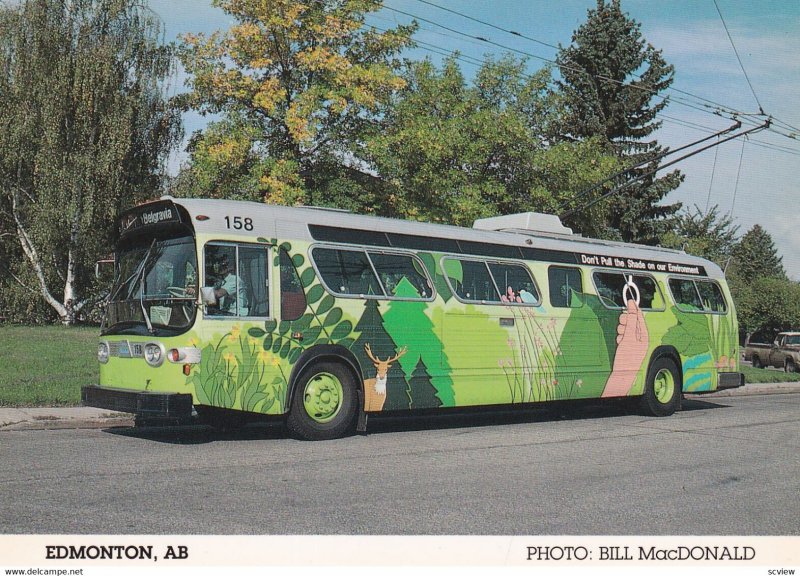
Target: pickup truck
pixel 784 352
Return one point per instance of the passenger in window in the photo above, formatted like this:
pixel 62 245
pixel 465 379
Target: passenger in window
pixel 230 288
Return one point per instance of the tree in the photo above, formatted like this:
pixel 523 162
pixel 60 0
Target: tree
pixel 84 131
pixel 767 305
pixel 755 256
pixel 297 84
pixel 706 234
pixel 451 152
pixel 610 78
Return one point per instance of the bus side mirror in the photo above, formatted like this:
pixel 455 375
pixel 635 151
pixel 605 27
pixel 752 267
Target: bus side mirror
pixel 208 296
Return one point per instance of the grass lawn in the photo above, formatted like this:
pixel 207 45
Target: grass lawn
pixel 46 365
pixel 755 375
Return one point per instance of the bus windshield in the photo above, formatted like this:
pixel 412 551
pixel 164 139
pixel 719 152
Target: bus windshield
pixel 155 287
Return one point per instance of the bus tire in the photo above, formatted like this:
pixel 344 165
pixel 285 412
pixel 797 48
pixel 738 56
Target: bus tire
pixel 662 389
pixel 324 403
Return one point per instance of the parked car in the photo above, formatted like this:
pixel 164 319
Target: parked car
pixel 784 352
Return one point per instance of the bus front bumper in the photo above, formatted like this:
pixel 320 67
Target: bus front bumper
pixel 146 405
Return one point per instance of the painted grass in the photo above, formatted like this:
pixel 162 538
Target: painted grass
pixel 46 365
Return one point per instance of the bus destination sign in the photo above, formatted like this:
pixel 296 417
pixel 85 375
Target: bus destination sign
pixel 148 215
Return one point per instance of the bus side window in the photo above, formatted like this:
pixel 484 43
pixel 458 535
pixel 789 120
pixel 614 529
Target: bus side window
pixel 711 295
pixel 685 295
pixel 293 299
pixel 475 283
pixel 401 276
pixel 565 286
pixel 346 271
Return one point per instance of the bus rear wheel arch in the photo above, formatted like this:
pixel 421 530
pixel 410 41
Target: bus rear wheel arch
pixel 662 388
pixel 324 402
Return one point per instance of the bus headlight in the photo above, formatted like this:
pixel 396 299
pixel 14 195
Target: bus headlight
pixel 102 352
pixel 153 354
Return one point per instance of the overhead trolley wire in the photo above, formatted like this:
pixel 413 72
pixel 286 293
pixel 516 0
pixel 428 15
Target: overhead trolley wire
pixel 719 105
pixel 735 51
pixel 708 106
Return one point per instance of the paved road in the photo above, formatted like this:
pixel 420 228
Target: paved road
pixel 722 466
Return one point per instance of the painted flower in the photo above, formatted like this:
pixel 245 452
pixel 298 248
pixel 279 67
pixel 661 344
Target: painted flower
pixel 551 323
pixel 555 382
pixel 263 356
pixel 276 361
pixel 229 358
pixel 510 343
pixel 235 331
pixel 578 382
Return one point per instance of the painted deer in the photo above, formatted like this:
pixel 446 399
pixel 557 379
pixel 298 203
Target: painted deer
pixel 375 388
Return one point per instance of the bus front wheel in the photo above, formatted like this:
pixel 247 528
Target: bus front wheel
pixel 662 390
pixel 324 403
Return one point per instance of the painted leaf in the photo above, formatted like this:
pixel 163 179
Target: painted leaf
pixel 284 352
pixel 326 304
pixel 333 317
pixel 307 277
pixel 315 293
pixel 311 334
pixel 294 355
pixel 298 260
pixel 343 330
pixel 270 325
pixel 256 332
pixel 283 327
pixel 267 342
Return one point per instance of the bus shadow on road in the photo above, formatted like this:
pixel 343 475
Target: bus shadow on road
pixel 399 422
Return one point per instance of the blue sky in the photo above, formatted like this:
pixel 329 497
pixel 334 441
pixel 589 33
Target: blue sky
pixel 692 37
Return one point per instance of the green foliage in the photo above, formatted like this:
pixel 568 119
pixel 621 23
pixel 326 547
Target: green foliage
pixel 755 256
pixel 706 234
pixel 85 130
pixel 603 99
pixel 766 305
pixel 297 85
pixel 450 152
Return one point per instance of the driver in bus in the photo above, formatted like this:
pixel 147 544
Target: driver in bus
pixel 230 289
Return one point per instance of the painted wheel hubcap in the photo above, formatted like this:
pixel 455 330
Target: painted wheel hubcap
pixel 664 386
pixel 322 398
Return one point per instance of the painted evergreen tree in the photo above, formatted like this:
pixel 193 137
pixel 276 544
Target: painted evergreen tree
pixel 410 326
pixel 610 79
pixel 373 332
pixel 421 391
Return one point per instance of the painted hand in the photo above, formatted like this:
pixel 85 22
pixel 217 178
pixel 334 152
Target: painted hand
pixel 632 344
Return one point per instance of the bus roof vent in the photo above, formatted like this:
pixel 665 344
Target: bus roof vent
pixel 524 222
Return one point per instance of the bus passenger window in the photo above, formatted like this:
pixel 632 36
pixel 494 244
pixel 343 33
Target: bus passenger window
pixel 474 284
pixel 400 275
pixel 685 295
pixel 293 298
pixel 565 287
pixel 515 283
pixel 346 272
pixel 711 297
pixel 611 290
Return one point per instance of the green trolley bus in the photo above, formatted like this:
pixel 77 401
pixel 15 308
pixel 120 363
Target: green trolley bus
pixel 226 309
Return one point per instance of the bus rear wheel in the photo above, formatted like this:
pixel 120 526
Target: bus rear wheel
pixel 324 403
pixel 662 390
